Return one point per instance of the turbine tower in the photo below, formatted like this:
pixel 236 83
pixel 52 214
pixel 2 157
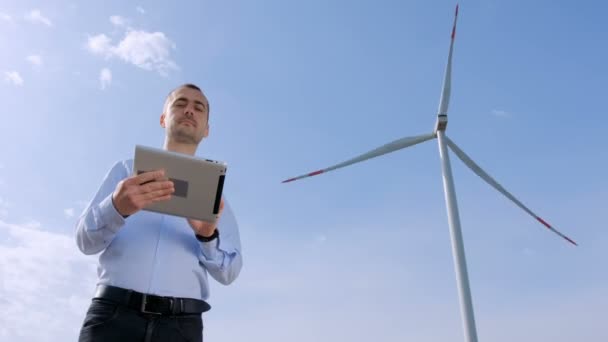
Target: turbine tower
pixel 462 279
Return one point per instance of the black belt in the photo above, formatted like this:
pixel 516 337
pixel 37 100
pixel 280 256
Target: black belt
pixel 152 304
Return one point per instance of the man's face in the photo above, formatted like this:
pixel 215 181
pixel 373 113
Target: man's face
pixel 186 116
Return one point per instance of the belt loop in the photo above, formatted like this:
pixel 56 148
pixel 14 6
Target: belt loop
pixel 175 308
pixel 176 304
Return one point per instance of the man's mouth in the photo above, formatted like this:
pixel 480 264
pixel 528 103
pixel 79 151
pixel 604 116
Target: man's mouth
pixel 190 122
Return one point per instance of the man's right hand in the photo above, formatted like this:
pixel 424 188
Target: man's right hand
pixel 136 192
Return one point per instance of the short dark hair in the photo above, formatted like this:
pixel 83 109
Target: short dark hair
pixel 191 86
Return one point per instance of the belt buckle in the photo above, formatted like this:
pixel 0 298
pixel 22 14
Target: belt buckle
pixel 144 301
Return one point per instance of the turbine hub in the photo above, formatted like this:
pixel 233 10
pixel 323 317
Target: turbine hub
pixel 442 122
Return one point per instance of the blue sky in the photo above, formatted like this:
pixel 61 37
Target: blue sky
pixel 358 254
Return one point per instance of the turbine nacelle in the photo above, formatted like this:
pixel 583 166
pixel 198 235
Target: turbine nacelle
pixel 442 123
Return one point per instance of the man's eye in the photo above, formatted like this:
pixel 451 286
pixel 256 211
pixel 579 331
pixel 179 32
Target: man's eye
pixel 179 104
pixel 200 109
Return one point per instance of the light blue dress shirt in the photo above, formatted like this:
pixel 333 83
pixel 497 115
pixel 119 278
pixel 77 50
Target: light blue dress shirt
pixel 155 253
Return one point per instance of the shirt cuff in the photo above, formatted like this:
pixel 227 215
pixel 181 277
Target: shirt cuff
pixel 210 249
pixel 107 216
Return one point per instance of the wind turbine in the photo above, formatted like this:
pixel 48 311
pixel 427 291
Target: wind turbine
pixel 466 306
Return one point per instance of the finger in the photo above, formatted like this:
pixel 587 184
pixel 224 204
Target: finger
pixel 162 198
pixel 152 195
pixel 149 176
pixel 147 202
pixel 155 186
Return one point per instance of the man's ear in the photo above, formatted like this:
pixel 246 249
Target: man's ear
pixel 162 120
pixel 206 133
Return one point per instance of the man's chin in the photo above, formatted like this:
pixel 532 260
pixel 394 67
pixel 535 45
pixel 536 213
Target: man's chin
pixel 185 137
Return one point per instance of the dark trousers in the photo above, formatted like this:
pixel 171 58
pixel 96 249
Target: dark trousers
pixel 108 321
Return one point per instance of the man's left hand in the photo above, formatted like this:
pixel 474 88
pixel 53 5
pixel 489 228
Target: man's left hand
pixel 204 228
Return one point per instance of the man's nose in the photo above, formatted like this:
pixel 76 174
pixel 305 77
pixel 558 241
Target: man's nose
pixel 189 111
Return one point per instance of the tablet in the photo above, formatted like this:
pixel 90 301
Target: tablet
pixel 198 182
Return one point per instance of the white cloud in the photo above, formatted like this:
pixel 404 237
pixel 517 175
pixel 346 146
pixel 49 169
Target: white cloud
pixel 13 77
pixel 34 59
pixel 529 251
pixel 100 45
pixel 77 206
pixel 105 78
pixel 321 238
pixel 5 17
pixel 501 113
pixel 146 50
pixel 118 21
pixel 42 271
pixel 35 16
pixel 32 224
pixel 69 212
pixel 140 10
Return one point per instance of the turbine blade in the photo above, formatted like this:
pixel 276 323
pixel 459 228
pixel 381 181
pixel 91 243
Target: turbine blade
pixel 384 149
pixel 444 101
pixel 485 176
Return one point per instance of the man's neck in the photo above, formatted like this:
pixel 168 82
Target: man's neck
pixel 180 147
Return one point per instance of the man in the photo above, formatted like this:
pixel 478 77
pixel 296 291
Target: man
pixel 153 268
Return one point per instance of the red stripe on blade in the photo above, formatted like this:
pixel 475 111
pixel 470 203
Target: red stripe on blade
pixel 288 180
pixel 454 28
pixel 316 173
pixel 551 228
pixel 543 222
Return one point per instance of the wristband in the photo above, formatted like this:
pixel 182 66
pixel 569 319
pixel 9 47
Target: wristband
pixel 201 238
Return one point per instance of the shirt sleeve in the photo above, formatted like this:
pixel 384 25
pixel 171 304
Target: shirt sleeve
pixel 222 256
pixel 100 221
